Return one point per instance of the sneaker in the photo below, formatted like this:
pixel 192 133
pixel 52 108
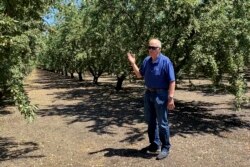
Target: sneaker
pixel 151 148
pixel 163 154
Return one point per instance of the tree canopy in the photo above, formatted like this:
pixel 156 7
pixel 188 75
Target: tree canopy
pixel 208 37
pixel 21 25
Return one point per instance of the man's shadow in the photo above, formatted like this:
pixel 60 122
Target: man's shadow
pixel 122 152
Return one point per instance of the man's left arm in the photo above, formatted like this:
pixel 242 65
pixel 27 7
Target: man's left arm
pixel 171 91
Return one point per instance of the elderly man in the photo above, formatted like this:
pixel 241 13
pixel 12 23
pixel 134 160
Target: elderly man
pixel 159 77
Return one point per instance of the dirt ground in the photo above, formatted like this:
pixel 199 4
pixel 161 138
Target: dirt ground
pixel 82 125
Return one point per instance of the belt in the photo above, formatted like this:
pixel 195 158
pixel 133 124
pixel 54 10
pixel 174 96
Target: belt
pixel 155 89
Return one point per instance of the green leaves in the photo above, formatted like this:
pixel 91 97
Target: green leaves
pixel 20 26
pixel 21 99
pixel 211 37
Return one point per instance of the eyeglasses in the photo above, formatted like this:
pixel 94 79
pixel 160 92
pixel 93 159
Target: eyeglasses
pixel 152 47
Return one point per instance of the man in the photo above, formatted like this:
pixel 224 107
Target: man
pixel 158 73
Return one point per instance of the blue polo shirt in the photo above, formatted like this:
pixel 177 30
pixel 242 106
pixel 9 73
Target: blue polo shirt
pixel 157 74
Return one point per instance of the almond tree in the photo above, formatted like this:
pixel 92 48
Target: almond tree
pixel 20 24
pixel 206 37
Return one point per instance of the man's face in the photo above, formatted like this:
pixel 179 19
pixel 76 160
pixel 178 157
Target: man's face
pixel 154 48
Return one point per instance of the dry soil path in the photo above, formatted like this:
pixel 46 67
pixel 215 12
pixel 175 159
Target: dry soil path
pixel 82 125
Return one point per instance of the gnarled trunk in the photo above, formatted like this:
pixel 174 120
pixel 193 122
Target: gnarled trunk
pixel 119 82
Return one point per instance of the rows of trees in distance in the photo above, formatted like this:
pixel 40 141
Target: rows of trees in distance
pixel 206 37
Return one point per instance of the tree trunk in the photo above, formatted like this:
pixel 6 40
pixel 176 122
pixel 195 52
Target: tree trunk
pixel 120 80
pixel 80 76
pixel 95 80
pixel 66 73
pixel 71 75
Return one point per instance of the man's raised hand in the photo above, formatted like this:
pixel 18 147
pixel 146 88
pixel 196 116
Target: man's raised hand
pixel 131 57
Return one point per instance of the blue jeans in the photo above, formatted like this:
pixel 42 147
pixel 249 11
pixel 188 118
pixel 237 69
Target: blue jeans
pixel 156 115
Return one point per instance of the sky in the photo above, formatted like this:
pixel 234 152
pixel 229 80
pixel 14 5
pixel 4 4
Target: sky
pixel 50 19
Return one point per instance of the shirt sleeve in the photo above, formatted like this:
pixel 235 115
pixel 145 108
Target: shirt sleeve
pixel 170 71
pixel 142 67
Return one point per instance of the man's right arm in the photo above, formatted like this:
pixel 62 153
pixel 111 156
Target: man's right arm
pixel 136 70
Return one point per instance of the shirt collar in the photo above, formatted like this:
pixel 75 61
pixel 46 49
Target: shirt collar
pixel 157 59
